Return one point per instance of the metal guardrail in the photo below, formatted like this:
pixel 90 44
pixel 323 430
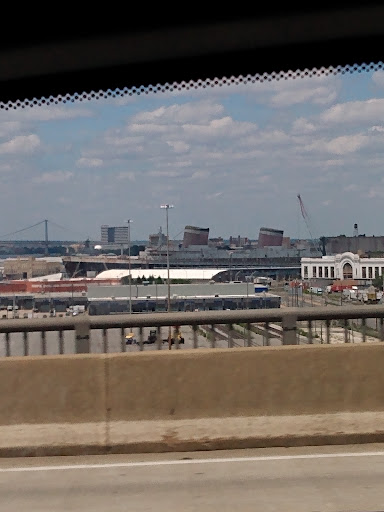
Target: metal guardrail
pixel 266 327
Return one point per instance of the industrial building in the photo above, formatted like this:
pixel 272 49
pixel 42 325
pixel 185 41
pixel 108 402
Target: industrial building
pixel 195 236
pixel 158 239
pixel 356 244
pixel 269 237
pixel 106 300
pixel 30 267
pixel 342 266
pixel 105 297
pixel 118 235
pixel 110 306
pixel 239 241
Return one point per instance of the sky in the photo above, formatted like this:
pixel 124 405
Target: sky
pixel 232 158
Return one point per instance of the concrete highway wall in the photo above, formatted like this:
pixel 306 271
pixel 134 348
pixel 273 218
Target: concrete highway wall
pixel 191 399
pixel 246 382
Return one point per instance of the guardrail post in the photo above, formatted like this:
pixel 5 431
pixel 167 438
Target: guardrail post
pixel 25 342
pixel 195 342
pixel 43 343
pixel 230 336
pixel 82 343
pixel 266 340
pixel 289 330
pixel 7 344
pixel 249 336
pixel 61 342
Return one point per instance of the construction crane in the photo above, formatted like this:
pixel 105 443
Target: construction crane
pixel 305 216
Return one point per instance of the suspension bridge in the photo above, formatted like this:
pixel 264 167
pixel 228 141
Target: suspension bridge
pixel 6 240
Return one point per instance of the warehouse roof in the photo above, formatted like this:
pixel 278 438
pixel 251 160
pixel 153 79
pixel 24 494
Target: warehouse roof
pixel 193 274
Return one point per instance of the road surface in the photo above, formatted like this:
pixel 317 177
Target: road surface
pixel 324 479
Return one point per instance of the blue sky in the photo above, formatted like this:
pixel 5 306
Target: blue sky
pixel 231 158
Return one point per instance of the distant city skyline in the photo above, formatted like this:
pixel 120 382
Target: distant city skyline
pixel 232 158
pixel 41 237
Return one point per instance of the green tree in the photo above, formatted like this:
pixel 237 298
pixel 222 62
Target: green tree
pixel 378 282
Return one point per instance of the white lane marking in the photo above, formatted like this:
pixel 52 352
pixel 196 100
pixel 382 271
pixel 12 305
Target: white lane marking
pixel 266 458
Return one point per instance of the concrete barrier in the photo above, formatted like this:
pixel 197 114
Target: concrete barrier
pixel 52 405
pixel 271 381
pixel 192 400
pixel 52 389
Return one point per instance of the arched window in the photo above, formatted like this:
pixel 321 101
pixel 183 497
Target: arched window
pixel 347 271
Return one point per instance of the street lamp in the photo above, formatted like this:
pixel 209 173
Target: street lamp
pixel 230 266
pixel 248 278
pixel 129 264
pixel 167 207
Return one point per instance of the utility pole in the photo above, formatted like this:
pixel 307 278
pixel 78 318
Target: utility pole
pixel 46 238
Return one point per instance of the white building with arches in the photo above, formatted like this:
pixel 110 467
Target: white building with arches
pixel 342 266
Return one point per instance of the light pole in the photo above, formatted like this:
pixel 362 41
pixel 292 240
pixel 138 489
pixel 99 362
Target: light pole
pixel 230 266
pixel 129 264
pixel 167 207
pixel 247 278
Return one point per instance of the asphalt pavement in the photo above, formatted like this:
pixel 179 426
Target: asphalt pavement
pixel 323 479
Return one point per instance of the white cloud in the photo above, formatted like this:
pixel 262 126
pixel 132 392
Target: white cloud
pixel 22 144
pixel 180 164
pixel 224 127
pixel 376 129
pixel 168 173
pixel 302 126
pixel 5 167
pixel 126 175
pixel 326 177
pixel 368 111
pixel 375 193
pixel 267 138
pixel 89 162
pixel 54 177
pixel 333 163
pixel 352 187
pixel 347 144
pixel 64 200
pixel 199 112
pixel 378 78
pixel 215 195
pixel 178 146
pixel 339 145
pixel 280 91
pixel 7 127
pixel 262 179
pixel 118 137
pixel 50 113
pixel 200 175
pixel 148 128
pixel 316 95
